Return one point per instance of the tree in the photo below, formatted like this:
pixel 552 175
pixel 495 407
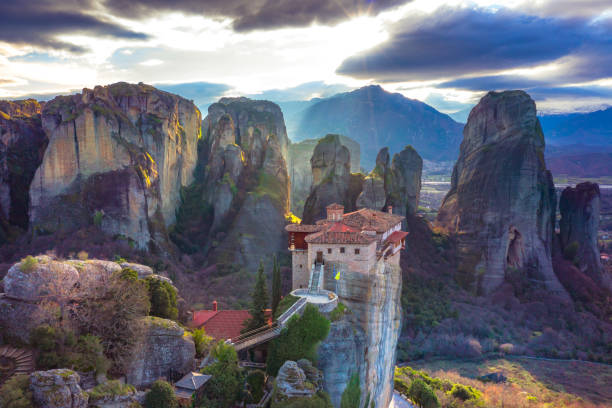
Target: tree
pixel 161 395
pixel 422 394
pixel 298 340
pixel 276 286
pixel 351 397
pixel 201 341
pixel 15 393
pixel 225 386
pixel 163 298
pixel 259 301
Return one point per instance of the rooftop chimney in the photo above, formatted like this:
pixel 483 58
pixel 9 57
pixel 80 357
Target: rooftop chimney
pixel 390 209
pixel 334 212
pixel 214 306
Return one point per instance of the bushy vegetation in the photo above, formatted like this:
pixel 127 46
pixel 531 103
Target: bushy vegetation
pixel 201 341
pixel 319 400
pixel 285 304
pixel 161 395
pixel 422 394
pixel 111 388
pixel 15 393
pixel 338 312
pixel 225 387
pixel 163 298
pixel 259 302
pixel 28 264
pixel 298 340
pixel 256 381
pixel 351 397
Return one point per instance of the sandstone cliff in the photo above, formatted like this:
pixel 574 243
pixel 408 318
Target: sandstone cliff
pixel 579 207
pixel 397 185
pixel 501 204
pixel 122 150
pixel 22 145
pixel 298 166
pixel 332 181
pixel 365 340
pixel 241 179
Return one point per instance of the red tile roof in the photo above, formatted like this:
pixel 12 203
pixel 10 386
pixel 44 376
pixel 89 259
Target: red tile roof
pixel 341 227
pixel 326 237
pixel 397 236
pixel 223 324
pixel 367 219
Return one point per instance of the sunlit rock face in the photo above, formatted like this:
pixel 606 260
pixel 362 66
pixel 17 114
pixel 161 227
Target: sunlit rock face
pixel 501 204
pixel 122 149
pixel 365 340
pixel 244 174
pixel 22 145
pixel 300 173
pixel 580 207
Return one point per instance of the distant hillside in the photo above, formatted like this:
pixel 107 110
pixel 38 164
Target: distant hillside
pixel 593 128
pixel 376 118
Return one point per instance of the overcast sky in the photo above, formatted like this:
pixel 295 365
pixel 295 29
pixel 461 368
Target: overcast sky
pixel 446 53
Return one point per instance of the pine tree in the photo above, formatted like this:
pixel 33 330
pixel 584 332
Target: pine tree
pixel 276 286
pixel 259 301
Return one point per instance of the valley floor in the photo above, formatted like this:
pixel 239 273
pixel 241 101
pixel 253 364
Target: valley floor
pixel 542 382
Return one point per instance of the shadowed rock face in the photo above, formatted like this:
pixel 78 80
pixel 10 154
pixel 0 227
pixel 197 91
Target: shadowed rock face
pixel 22 145
pixel 501 204
pixel 300 172
pixel 122 149
pixel 58 389
pixel 245 180
pixel 579 207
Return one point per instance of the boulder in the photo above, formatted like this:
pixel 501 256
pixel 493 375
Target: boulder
pixel 405 181
pixel 57 389
pixel 291 382
pixel 121 150
pixel 32 283
pixel 142 270
pixel 22 145
pixel 579 207
pixel 165 351
pixel 501 204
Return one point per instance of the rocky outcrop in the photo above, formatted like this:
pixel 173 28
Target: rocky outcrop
pixel 22 145
pixel 298 166
pixel 580 207
pixel 292 382
pixel 365 341
pixel 331 178
pixel 242 179
pixel 501 204
pixel 397 184
pixel 165 350
pixel 123 151
pixel 57 389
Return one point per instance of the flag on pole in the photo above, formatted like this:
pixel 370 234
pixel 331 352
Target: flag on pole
pixel 338 274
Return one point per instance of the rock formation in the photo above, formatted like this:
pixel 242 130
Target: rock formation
pixel 501 204
pixel 365 340
pixel 123 151
pixel 332 181
pixel 298 166
pixel 397 185
pixel 165 350
pixel 57 389
pixel 242 178
pixel 579 207
pixel 22 145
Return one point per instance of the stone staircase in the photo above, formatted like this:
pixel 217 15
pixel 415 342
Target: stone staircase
pixel 315 278
pixel 24 360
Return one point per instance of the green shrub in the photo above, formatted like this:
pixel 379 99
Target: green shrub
pixel 15 393
pixel 422 394
pixel 129 275
pixel 82 255
pixel 161 395
pixel 351 397
pixel 163 298
pixel 285 304
pixel 201 341
pixel 91 355
pixel 223 390
pixel 256 381
pixel 110 388
pixel 97 218
pixel 298 340
pixel 570 252
pixel 319 400
pixel 338 312
pixel 28 264
pixel 465 392
pixel 43 338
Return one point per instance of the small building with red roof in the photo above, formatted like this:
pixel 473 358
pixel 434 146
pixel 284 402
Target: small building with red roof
pixel 222 324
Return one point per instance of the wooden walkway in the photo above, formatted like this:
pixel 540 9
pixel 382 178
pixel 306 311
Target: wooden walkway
pixel 24 360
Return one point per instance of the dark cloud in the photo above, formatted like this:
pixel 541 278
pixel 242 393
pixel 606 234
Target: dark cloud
pixel 38 22
pixel 456 42
pixel 492 82
pixel 251 15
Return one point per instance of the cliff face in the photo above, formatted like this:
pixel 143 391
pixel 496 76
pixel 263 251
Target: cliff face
pixel 298 166
pixel 501 204
pixel 580 207
pixel 124 150
pixel 22 145
pixel 244 181
pixel 397 184
pixel 365 341
pixel 332 181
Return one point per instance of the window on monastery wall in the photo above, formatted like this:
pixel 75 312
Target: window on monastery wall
pixel 357 251
pixel 341 250
pixel 329 250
